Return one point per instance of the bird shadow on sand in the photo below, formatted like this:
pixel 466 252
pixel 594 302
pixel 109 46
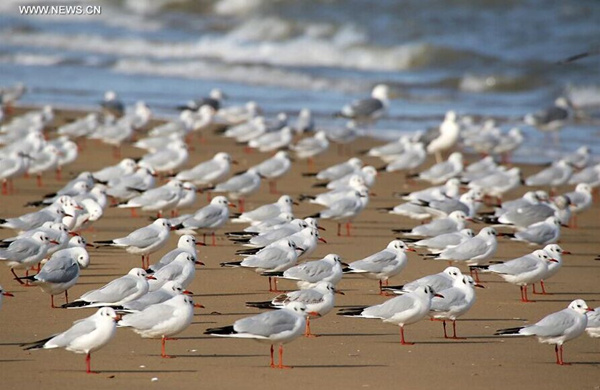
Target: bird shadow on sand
pixel 228 294
pixel 15 360
pixel 340 366
pixel 351 334
pixel 218 356
pixel 141 371
pixel 100 276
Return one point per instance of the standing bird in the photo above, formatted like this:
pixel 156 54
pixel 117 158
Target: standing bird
pixel 61 272
pixel 553 118
pixel 319 300
pixel 186 243
pixel 162 319
pixel 208 219
pixel 143 241
pixel 593 325
pixel 273 327
pixel 369 110
pixel 556 328
pixel 239 186
pixel 402 310
pixel 274 168
pixel 307 148
pixel 85 336
pixel 283 205
pixel 443 170
pixel 457 300
pixel 26 252
pixel 555 252
pixel 116 293
pixel 383 264
pixel 438 282
pixel 309 274
pixel 449 132
pixel 210 172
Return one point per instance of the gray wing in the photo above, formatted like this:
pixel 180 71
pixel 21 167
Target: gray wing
pixel 465 251
pixel 305 296
pixel 113 291
pixel 267 258
pixel 551 114
pixel 80 328
pixel 389 308
pixel 235 183
pixel 452 297
pixel 19 249
pixel 149 317
pixel 374 263
pixel 551 326
pixel 311 272
pixel 537 234
pixel 141 238
pixel 527 215
pixel 363 107
pixel 205 217
pixel 266 324
pixel 59 269
pixel 199 171
pixel 516 266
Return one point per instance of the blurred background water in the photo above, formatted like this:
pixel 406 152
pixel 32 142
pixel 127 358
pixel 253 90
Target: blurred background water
pixel 489 58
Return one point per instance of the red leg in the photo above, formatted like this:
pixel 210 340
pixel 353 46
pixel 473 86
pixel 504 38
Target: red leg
pixel 307 332
pixel 402 341
pixel 241 204
pixel 272 360
pixel 339 229
pixel 524 294
pixel 454 331
pixel 4 187
pixel 281 358
pixel 88 361
pixel 444 325
pixel 214 240
pixel 562 361
pixel 208 197
pixel 544 288
pixel 273 187
pixel 39 180
pixel 67 296
pixel 348 226
pixel 16 276
pixel 58 173
pixel 162 349
pixel 52 302
pixel 133 213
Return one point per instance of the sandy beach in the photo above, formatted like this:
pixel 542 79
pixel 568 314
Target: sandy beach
pixel 350 354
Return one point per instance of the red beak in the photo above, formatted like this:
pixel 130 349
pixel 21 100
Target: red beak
pixel 7 294
pixel 313 314
pixel 566 253
pixel 479 285
pixel 200 244
pixel 322 240
pixel 150 277
pixel 553 261
pixel 199 263
pixel 73 234
pixel 188 292
pixel 54 242
pixel 232 205
pixel 198 306
pixel 410 250
pixel 438 295
pixel 321 228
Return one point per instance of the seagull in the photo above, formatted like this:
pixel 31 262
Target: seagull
pixel 338 171
pixel 26 252
pixel 368 110
pixel 215 100
pixel 181 270
pixel 555 252
pixel 273 327
pixel 450 189
pixel 4 294
pixel 167 159
pixel 186 244
pixel 272 141
pixel 457 300
pixel 307 148
pixel 383 264
pixel 589 175
pixel 443 170
pixel 553 118
pixel 162 319
pixel 539 233
pixel 129 186
pixel 262 213
pixel 211 172
pixel 60 272
pixel 498 183
pixel 274 168
pixel 522 271
pixel 308 275
pixel 119 291
pixel 593 325
pixel 262 240
pixel 305 122
pixel 438 282
pixel 472 251
pixel 160 199
pixel 239 186
pixel 367 173
pixel 318 300
pixel 580 200
pixel 209 218
pixel 554 176
pixel 112 104
pixel 413 156
pixel 402 310
pixel 85 336
pixel 125 167
pixel 439 243
pixel 449 132
pixel 165 292
pixel 345 209
pixel 556 328
pixel 453 223
pixel 12 166
pixel 277 256
pixel 143 241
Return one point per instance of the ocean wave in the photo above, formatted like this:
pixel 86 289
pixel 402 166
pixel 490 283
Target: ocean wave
pixel 584 95
pixel 496 83
pixel 31 59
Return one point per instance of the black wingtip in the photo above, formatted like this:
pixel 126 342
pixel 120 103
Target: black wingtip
pixel 261 305
pixel 351 311
pixel 75 304
pixel 309 174
pixel 231 264
pixel 273 274
pixel 508 331
pixel 223 330
pixel 319 185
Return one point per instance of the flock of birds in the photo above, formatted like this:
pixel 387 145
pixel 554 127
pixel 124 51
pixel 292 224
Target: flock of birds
pixel 153 300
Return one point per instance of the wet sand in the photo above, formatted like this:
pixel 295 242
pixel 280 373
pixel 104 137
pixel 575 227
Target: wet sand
pixel 351 353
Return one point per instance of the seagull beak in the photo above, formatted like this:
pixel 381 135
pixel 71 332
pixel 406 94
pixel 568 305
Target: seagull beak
pixel 234 162
pixel 338 291
pixel 469 219
pixel 199 263
pixel 7 294
pixel 589 309
pixel 321 228
pixel 73 234
pixel 295 203
pixel 118 317
pixel 438 295
pixel 173 228
pixel 410 250
pixel 198 306
pixel 566 253
pixel 78 207
pixel 200 244
pixel 322 240
pixel 553 261
pixel 479 285
pixel 150 277
pixel 231 205
pixel 89 245
pixel 188 292
pixel 54 242
pixel 372 194
pixel 313 314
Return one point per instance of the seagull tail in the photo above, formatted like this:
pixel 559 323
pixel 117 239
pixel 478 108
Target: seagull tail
pixel 386 209
pixel 75 304
pixel 273 273
pixel 261 305
pixel 304 197
pixel 508 331
pixel 241 234
pixel 231 264
pixel 319 185
pixel 36 344
pixel 36 203
pixel 249 251
pixel 401 230
pixel 309 174
pixel 351 311
pixel 104 243
pixel 225 330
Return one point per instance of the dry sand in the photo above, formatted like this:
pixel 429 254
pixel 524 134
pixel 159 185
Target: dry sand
pixel 350 354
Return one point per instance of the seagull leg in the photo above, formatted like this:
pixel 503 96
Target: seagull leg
pixel 474 274
pixel 281 358
pixel 4 187
pixel 241 204
pixel 88 361
pixel 58 173
pixel 67 296
pixel 273 187
pixel 562 361
pixel 16 276
pixel 557 355
pixel 544 288
pixel 524 294
pixel 133 213
pixel 52 301
pixel 444 325
pixel 214 240
pixel 348 227
pixel 272 360
pixel 339 230
pixel 455 337
pixel 162 349
pixel 402 341
pixel 39 180
pixel 307 332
